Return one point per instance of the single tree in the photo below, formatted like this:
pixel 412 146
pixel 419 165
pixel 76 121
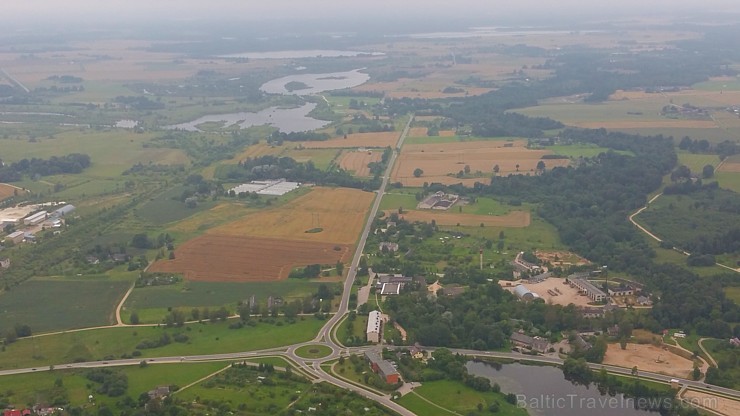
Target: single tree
pixel 418 172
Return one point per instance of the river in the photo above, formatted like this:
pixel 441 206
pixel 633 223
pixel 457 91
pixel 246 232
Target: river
pixel 543 390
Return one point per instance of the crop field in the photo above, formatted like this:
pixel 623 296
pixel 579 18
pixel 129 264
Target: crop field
pixel 224 258
pixel 442 162
pixel 357 161
pixel 189 294
pixel 518 219
pixel 51 305
pixel 204 338
pixel 379 139
pixel 339 213
pixel 6 191
pixel 731 164
pixel 166 207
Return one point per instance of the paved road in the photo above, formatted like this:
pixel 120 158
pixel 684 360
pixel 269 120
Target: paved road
pixel 324 333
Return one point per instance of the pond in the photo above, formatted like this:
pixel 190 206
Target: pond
pixel 543 390
pixel 288 120
pixel 315 83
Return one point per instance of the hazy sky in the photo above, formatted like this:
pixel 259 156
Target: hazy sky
pixel 261 9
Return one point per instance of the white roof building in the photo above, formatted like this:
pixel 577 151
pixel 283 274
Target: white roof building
pixel 374 325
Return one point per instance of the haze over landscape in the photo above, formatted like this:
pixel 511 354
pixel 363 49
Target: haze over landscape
pixel 326 207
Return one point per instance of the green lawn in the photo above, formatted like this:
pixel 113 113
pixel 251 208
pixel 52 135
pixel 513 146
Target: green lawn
pixel 733 293
pixel 696 162
pixel 116 342
pixel 54 304
pixel 313 351
pixel 732 85
pixel 455 397
pixel 167 207
pixel 486 206
pixel 578 150
pixel 353 332
pixel 392 201
pixel 729 180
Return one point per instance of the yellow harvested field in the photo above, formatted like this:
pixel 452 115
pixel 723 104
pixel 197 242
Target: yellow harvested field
pixel 379 139
pixel 258 150
pixel 667 123
pixel 440 162
pixel 648 357
pixel 731 164
pixel 696 97
pixel 718 404
pixel 514 219
pixel 339 212
pixel 447 133
pixel 418 132
pixel 357 161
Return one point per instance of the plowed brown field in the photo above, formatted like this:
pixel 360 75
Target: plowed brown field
pixel 243 259
pixel 379 139
pixel 6 191
pixel 340 212
pixel 357 161
pixel 514 219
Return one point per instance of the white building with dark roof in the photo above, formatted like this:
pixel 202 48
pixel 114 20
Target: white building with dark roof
pixel 374 326
pixel 589 289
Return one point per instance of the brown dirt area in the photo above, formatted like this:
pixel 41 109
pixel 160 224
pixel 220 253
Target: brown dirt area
pixel 357 161
pixel 732 166
pixel 418 132
pixel 440 160
pixel 379 139
pixel 566 296
pixel 718 404
pixel 339 211
pixel 6 191
pixel 561 258
pixel 644 356
pixel 240 259
pixel 514 219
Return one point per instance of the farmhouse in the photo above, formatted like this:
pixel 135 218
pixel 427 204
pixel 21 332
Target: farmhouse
pixel 36 218
pixel 391 289
pixel 438 200
pixel 533 343
pixel 383 367
pixel 590 312
pixel 581 344
pixel 416 352
pixel 391 284
pixel 621 291
pixel 15 237
pixel 374 326
pixel 587 288
pixel 159 393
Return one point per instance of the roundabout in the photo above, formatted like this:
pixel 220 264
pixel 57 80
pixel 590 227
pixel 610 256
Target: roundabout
pixel 313 351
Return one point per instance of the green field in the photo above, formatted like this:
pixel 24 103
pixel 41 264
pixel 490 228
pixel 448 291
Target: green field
pixel 579 150
pixel 54 305
pixel 453 139
pixel 728 180
pixel 696 162
pixel 313 351
pixel 116 342
pixel 663 255
pixel 189 294
pixel 728 85
pixel 167 207
pixel 40 387
pixel 454 398
pixel 733 293
pixel 392 201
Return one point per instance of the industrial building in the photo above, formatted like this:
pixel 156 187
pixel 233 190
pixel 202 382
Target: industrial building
pixel 374 326
pixel 63 211
pixel 525 294
pixel 275 187
pixel 36 218
pixel 15 237
pixel 587 288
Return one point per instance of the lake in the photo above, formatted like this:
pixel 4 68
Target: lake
pixel 316 83
pixel 545 391
pixel 298 54
pixel 288 120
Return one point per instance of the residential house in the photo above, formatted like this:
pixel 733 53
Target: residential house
pixel 536 344
pixel 590 312
pixel 416 352
pixel 613 331
pixel 388 246
pixel 159 393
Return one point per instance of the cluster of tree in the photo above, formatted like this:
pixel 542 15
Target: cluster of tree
pixel 728 365
pixel 112 383
pixel 367 125
pixel 279 137
pixel 203 150
pixel 140 103
pixel 143 242
pixel 311 271
pixel 65 79
pixel 152 169
pixel 18 331
pixel 71 163
pixel 377 168
pixel 273 167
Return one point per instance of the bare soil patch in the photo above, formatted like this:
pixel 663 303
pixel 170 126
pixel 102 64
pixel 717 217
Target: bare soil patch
pixel 730 166
pixel 379 139
pixel 418 132
pixel 6 191
pixel 441 162
pixel 514 219
pixel 648 357
pixel 339 212
pixel 719 404
pixel 561 258
pixel 357 161
pixel 243 259
pixel 565 295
